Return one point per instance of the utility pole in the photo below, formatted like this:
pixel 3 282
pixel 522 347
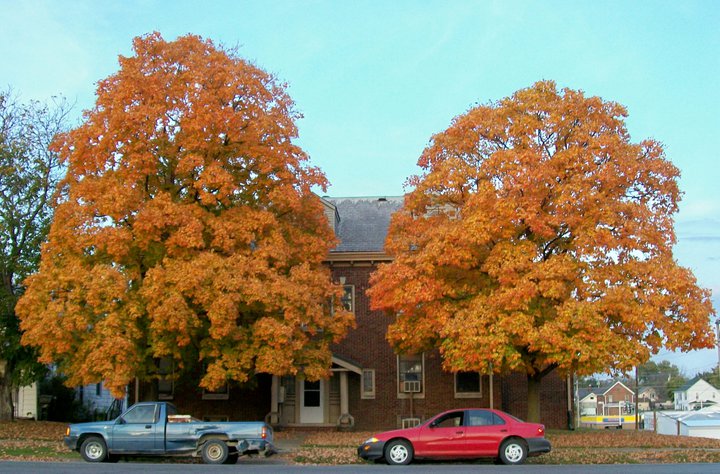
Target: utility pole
pixel 637 396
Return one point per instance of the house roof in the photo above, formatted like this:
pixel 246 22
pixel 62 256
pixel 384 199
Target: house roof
pixel 363 222
pixel 584 392
pixel 689 384
pixel 692 382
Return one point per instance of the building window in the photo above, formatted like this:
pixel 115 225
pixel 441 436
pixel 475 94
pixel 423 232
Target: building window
pixel 166 379
pixel 411 373
pixel 368 384
pixel 223 393
pixel 348 298
pixel 468 385
pixel 98 389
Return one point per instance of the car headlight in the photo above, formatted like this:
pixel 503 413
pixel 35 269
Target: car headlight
pixel 371 440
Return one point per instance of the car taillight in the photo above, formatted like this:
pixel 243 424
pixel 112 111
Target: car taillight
pixel 541 431
pixel 263 433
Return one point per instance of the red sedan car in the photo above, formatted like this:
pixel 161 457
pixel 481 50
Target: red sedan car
pixel 460 434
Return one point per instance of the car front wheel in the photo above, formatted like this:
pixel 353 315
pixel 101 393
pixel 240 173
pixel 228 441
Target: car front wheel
pixel 513 451
pixel 398 452
pixel 93 449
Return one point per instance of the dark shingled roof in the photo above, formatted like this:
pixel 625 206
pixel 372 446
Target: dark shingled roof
pixel 364 222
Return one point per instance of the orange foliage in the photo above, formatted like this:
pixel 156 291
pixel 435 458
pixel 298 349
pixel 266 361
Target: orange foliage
pixel 540 236
pixel 185 228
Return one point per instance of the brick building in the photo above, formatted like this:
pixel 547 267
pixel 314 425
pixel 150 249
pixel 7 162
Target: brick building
pixel 371 386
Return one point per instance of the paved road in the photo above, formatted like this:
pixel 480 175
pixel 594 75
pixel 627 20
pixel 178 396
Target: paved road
pixel 429 468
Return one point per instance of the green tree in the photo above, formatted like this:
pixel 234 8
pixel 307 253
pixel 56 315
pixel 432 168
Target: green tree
pixel 664 376
pixel 29 172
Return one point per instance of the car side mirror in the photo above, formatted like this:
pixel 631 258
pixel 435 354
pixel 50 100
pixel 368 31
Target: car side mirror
pixel 433 424
pixel 120 421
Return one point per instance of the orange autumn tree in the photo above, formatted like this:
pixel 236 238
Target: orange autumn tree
pixel 539 237
pixel 186 228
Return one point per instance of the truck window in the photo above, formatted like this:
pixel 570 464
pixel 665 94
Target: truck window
pixel 141 414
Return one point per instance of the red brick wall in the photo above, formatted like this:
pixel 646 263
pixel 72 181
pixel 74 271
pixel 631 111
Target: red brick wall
pixel 249 402
pixel 553 398
pixel 367 346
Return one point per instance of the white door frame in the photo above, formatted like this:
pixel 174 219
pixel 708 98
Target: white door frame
pixel 315 413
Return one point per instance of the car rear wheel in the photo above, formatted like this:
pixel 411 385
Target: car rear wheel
pixel 398 452
pixel 513 451
pixel 93 449
pixel 215 451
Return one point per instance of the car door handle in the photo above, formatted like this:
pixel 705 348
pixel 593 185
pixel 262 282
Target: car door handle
pixel 147 427
pixel 503 431
pixel 459 432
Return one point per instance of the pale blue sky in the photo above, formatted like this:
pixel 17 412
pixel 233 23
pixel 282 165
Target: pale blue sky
pixel 375 79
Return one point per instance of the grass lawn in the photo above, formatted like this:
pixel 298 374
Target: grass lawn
pixel 42 441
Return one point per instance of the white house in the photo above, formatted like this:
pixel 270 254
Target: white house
pixel 695 395
pixel 25 401
pixel 94 396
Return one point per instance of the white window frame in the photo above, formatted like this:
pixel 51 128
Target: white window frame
pixel 348 289
pixel 399 382
pixel 477 394
pixel 365 392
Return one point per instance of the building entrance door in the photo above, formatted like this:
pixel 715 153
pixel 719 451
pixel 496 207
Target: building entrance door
pixel 312 406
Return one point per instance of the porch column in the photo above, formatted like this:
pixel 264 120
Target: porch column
pixel 273 416
pixel 343 393
pixel 346 420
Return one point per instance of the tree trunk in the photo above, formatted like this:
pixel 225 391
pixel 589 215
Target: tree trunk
pixel 533 382
pixel 6 403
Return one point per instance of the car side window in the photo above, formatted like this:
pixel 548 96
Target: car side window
pixel 484 418
pixel 140 414
pixel 449 420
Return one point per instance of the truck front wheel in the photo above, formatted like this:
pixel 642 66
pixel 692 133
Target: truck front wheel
pixel 93 449
pixel 215 451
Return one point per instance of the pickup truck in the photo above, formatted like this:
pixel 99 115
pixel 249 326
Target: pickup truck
pixel 155 429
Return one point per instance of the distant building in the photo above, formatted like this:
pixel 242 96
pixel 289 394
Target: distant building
pixel 610 405
pixel 704 423
pixel 25 402
pixel 695 395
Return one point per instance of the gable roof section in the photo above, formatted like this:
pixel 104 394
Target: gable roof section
pixel 363 222
pixel 693 382
pixel 623 386
pixel 584 392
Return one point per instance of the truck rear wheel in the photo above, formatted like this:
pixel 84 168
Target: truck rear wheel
pixel 215 451
pixel 93 449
